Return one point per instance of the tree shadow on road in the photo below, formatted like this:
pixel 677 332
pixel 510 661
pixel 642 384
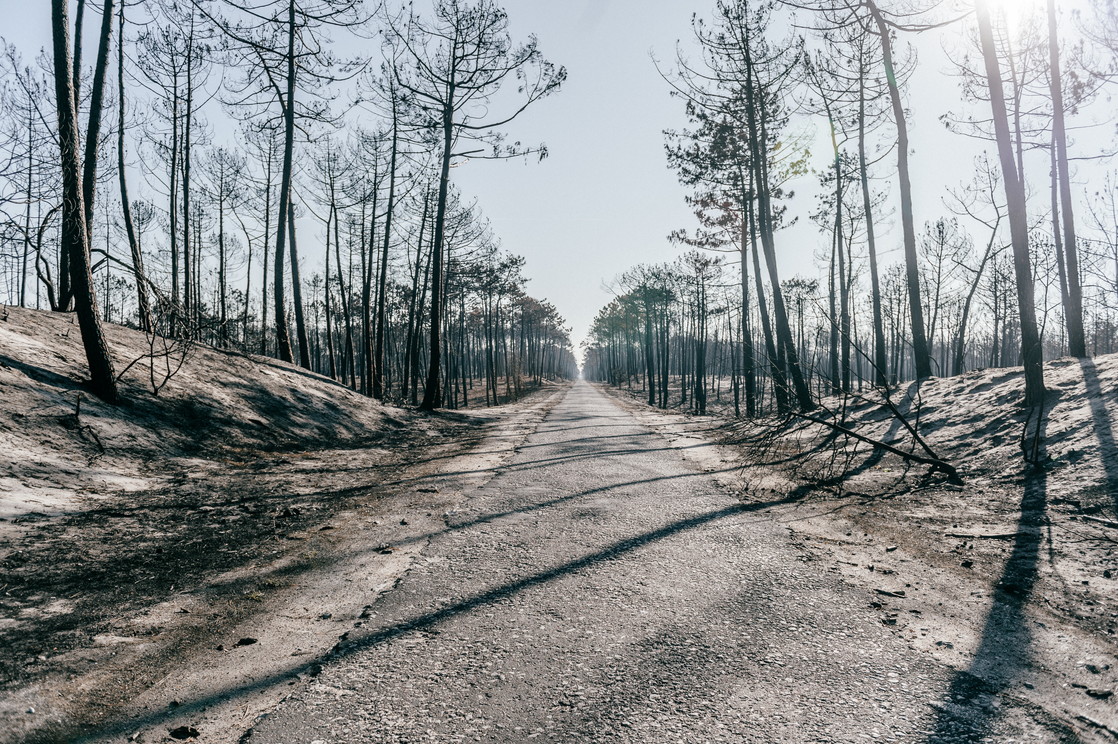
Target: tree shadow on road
pixel 427 621
pixel 584 452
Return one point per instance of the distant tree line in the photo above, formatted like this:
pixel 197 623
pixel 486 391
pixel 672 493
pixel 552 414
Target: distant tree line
pixel 177 176
pixel 1020 265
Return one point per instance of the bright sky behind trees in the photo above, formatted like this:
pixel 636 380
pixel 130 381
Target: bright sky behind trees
pixel 604 199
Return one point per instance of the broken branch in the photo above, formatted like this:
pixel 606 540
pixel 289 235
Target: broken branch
pixel 934 462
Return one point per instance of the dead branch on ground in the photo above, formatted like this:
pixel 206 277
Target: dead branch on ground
pixel 936 463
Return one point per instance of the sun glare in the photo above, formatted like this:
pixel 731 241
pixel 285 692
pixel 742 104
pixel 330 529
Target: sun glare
pixel 1015 12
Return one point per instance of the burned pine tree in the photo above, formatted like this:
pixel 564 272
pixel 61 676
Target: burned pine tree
pixel 451 66
pixel 1031 352
pixel 285 51
pixel 745 76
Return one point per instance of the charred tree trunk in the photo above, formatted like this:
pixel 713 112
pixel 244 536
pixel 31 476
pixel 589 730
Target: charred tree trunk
pixel 881 372
pixel 747 351
pixel 75 237
pixel 330 214
pixel 283 337
pixel 649 359
pixel 65 298
pixel 297 292
pixel 143 303
pixel 1077 340
pixel 188 269
pixel 222 288
pixel 382 288
pixel 755 112
pixel 173 209
pixel 349 362
pixel 920 353
pixel 432 394
pixel 415 308
pixel 93 125
pixel 1018 219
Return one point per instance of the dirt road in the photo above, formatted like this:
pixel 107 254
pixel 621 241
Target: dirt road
pixel 605 587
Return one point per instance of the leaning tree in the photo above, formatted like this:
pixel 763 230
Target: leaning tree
pixel 76 198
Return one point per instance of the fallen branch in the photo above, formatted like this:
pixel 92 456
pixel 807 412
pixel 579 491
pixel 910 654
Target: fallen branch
pixel 1100 520
pixel 82 429
pixel 1098 725
pixel 998 536
pixel 888 593
pixel 934 462
pixel 887 400
pixel 908 427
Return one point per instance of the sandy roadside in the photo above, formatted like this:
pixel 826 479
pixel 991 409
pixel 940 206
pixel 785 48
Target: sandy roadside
pixel 214 657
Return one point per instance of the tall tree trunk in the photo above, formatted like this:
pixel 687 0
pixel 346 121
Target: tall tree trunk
pixel 330 213
pixel 79 23
pixel 173 210
pixel 649 359
pixel 415 308
pixel 832 311
pixel 269 161
pixel 27 206
pixel 699 396
pixel 368 264
pixel 1057 232
pixel 93 125
pixel 1018 219
pixel 432 393
pixel 142 301
pixel 881 376
pixel 664 342
pixel 776 365
pixel 65 300
pixel 840 325
pixel 1077 340
pixel 349 372
pixel 248 288
pixel 189 299
pixel 283 338
pixel 845 334
pixel 223 314
pixel 297 292
pixel 747 351
pixel 378 352
pixel 75 237
pixel 920 353
pixel 424 285
pixel 786 346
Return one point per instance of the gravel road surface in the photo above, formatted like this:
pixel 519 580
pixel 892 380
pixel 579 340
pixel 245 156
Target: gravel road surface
pixel 603 587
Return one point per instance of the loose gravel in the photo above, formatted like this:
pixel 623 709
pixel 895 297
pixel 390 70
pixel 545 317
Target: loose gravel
pixel 604 587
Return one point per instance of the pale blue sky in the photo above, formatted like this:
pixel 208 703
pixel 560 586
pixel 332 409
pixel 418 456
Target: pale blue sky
pixel 604 200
